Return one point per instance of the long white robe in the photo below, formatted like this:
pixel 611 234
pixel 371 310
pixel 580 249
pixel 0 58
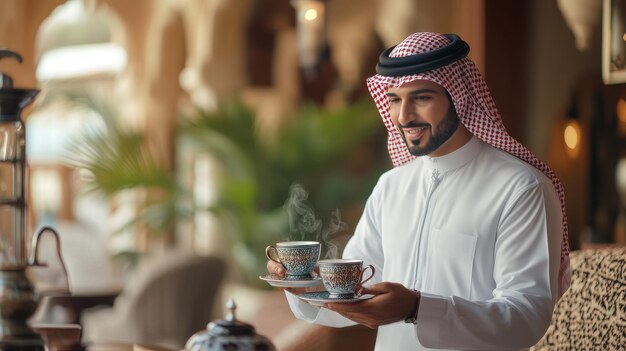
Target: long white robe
pixel 478 232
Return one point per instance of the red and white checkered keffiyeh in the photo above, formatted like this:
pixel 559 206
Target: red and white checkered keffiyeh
pixel 476 110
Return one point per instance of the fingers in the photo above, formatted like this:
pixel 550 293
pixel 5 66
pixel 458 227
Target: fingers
pixel 390 304
pixel 363 290
pixel 275 268
pixel 380 288
pixel 372 289
pixel 338 307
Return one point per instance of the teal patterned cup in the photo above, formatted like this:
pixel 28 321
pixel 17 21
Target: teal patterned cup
pixel 298 257
pixel 341 276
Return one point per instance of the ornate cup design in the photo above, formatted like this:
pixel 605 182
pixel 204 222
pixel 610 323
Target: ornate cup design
pixel 342 276
pixel 298 257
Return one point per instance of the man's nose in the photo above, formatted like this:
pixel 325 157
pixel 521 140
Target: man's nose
pixel 407 113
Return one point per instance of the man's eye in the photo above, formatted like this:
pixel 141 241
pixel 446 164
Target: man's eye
pixel 393 100
pixel 422 98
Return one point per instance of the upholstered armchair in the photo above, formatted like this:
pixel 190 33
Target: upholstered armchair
pixel 169 298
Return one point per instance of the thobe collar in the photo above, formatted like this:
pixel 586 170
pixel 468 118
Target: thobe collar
pixel 455 159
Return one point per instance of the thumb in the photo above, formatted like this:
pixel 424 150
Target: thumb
pixel 374 289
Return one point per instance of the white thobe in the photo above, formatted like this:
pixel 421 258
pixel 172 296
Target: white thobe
pixel 478 232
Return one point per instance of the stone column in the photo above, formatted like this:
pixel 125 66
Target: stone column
pixel 399 18
pixel 215 65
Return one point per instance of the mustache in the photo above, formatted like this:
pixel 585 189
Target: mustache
pixel 413 124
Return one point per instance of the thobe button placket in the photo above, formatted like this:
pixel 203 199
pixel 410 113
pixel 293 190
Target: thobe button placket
pixel 434 180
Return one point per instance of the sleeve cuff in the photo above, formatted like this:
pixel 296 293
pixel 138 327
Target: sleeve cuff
pixel 429 315
pixel 315 314
pixel 301 309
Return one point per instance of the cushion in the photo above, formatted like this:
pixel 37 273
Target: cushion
pixel 591 315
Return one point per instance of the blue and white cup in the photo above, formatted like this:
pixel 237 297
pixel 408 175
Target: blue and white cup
pixel 342 276
pixel 298 257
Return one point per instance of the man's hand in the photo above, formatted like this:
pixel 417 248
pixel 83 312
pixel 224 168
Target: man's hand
pixel 393 302
pixel 278 269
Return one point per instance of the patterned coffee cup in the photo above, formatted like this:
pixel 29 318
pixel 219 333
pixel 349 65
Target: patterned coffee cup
pixel 298 257
pixel 341 276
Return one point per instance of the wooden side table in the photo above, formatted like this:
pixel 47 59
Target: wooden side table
pixel 67 309
pixel 60 337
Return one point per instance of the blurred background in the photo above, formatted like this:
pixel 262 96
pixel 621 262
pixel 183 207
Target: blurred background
pixel 219 127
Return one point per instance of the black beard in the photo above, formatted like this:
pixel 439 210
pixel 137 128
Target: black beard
pixel 444 131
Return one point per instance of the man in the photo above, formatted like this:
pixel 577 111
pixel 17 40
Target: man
pixel 468 232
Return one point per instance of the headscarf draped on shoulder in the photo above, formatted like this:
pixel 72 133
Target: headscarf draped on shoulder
pixel 442 59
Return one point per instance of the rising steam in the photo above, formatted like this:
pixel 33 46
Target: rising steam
pixel 335 226
pixel 304 224
pixel 302 220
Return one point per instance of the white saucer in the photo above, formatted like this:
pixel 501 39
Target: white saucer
pixel 321 297
pixel 288 282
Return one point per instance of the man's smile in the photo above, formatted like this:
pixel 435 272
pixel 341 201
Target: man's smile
pixel 414 133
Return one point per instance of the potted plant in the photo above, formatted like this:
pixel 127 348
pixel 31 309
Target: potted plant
pixel 287 187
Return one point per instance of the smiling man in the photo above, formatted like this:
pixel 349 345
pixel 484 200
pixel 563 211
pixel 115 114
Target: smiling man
pixel 468 232
pixel 424 116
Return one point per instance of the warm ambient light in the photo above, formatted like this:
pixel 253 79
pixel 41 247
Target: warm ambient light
pixel 621 110
pixel 572 135
pixel 310 33
pixel 310 15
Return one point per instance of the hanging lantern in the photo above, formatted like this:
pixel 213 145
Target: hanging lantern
pixel 311 34
pixel 18 298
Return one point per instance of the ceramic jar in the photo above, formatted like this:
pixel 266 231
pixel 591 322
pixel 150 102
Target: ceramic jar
pixel 229 334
